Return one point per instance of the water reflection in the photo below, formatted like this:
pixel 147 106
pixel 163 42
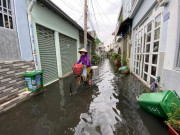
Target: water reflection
pixel 102 114
pixel 108 107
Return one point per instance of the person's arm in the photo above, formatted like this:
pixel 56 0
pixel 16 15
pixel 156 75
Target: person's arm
pixel 79 61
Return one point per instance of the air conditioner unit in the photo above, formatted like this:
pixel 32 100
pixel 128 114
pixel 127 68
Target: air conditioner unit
pixel 162 2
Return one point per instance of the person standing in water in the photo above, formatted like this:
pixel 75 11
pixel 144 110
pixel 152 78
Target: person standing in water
pixel 85 62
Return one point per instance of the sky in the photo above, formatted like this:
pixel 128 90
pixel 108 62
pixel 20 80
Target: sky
pixel 103 19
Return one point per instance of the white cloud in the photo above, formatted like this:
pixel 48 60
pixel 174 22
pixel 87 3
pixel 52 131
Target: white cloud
pixel 106 12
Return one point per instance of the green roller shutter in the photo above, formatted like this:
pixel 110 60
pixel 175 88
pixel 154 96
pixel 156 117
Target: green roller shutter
pixel 68 48
pixel 47 52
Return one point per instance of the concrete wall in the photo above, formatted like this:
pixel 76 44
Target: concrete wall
pixel 22 29
pixel 15 43
pixel 171 76
pixel 9 47
pixel 47 18
pixel 11 80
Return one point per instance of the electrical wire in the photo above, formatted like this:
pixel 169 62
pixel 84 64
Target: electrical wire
pixel 99 12
pixel 80 4
pixel 103 12
pixel 111 3
pixel 80 18
pixel 74 9
pixel 95 17
pixel 89 20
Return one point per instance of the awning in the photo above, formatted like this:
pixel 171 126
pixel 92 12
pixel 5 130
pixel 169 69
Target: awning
pixel 124 26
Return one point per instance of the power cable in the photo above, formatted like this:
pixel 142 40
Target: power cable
pixel 103 12
pixel 79 3
pixel 80 18
pixel 89 19
pixel 95 17
pixel 111 3
pixel 74 9
pixel 99 12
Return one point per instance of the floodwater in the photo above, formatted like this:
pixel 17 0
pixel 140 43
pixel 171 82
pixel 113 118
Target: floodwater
pixel 108 107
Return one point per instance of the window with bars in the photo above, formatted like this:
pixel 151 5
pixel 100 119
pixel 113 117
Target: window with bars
pixel 6 19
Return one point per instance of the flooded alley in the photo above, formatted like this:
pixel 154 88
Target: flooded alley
pixel 108 107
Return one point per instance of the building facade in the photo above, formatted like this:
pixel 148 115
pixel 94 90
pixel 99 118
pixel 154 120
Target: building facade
pixel 155 42
pixel 15 53
pixel 35 35
pixel 123 33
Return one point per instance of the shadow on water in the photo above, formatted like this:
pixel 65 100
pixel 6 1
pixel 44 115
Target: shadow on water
pixel 108 107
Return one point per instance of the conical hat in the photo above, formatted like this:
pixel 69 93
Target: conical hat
pixel 82 50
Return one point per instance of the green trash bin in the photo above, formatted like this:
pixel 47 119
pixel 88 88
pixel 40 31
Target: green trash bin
pixel 159 103
pixel 34 80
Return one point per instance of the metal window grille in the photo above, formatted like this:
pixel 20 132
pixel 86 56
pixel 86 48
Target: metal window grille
pixel 6 19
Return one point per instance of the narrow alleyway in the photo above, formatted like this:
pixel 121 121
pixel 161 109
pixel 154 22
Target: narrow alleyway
pixel 109 107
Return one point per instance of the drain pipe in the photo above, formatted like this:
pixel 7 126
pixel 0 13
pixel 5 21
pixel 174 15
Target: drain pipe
pixel 31 32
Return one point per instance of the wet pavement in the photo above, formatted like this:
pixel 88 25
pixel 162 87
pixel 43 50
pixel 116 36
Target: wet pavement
pixel 108 107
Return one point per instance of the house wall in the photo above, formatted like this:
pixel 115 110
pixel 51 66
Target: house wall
pixel 47 18
pixel 145 7
pixel 9 47
pixel 171 76
pixel 11 78
pixel 15 54
pixel 23 30
pixel 126 8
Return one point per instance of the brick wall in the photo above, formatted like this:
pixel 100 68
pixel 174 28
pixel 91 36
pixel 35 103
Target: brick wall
pixel 11 80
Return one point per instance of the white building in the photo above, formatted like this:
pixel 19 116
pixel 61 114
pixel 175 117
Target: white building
pixel 155 42
pixel 123 32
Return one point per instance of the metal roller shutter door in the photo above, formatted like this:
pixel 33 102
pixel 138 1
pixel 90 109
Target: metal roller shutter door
pixel 47 52
pixel 68 48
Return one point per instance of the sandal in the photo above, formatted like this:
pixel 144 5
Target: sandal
pixel 89 82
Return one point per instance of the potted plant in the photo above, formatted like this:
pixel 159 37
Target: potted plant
pixel 118 58
pixel 124 61
pixel 174 120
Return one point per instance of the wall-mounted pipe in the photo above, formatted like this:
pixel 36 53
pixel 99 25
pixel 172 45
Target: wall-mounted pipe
pixel 31 32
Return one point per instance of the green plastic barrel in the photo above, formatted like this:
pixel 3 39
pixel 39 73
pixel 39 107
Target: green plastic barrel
pixel 159 103
pixel 34 80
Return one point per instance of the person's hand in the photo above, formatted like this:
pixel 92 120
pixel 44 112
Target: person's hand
pixel 85 66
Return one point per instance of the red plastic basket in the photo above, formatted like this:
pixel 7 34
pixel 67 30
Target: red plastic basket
pixel 77 69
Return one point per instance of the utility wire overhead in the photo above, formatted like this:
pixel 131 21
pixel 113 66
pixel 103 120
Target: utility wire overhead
pixel 102 19
pixel 79 3
pixel 95 18
pixel 99 12
pixel 103 12
pixel 111 3
pixel 71 7
pixel 90 21
pixel 80 18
